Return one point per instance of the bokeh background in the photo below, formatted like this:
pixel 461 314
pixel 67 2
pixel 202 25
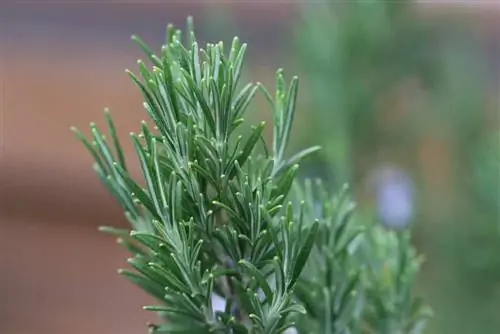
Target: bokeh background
pixel 411 85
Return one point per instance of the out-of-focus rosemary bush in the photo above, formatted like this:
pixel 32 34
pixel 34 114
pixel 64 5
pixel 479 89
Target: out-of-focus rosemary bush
pixel 221 214
pixel 484 186
pixel 354 54
pixel 360 277
pixel 486 173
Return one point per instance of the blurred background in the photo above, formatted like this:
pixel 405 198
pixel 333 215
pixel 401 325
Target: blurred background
pixel 411 87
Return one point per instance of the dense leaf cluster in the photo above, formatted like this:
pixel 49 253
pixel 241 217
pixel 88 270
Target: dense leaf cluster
pixel 212 216
pixel 218 213
pixel 359 277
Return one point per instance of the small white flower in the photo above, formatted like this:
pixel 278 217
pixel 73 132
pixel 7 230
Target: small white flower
pixel 218 303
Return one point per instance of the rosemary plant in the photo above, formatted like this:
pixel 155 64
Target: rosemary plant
pixel 366 55
pixel 220 215
pixel 359 277
pixel 331 289
pixel 211 215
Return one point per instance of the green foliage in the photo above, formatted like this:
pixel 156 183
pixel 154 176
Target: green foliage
pixel 393 266
pixel 360 277
pixel 220 213
pixel 355 53
pixel 486 172
pixel 212 216
pixel 331 287
pixel 483 236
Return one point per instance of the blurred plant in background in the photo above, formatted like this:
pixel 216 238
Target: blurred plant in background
pixel 355 54
pixel 486 171
pixel 384 82
pixel 477 247
pixel 359 278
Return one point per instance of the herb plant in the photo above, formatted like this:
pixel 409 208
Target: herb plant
pixel 359 277
pixel 221 214
pixel 212 216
